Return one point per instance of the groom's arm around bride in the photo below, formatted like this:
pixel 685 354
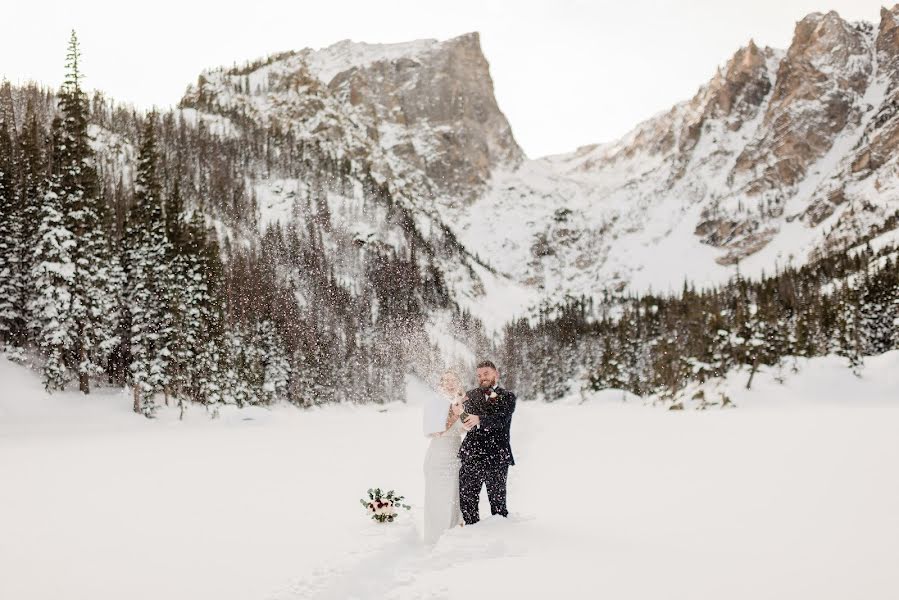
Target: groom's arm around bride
pixel 501 417
pixel 488 426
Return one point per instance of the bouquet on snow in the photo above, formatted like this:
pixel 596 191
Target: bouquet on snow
pixel 382 507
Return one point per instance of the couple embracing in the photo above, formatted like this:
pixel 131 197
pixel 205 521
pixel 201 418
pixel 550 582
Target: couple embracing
pixel 455 468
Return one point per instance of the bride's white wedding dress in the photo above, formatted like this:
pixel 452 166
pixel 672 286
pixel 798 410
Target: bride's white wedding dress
pixel 442 483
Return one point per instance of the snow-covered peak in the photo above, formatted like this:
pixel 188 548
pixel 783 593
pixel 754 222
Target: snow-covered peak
pixel 762 166
pixel 424 111
pixel 782 155
pixel 328 62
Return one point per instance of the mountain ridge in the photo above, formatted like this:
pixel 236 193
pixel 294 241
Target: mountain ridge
pixel 381 219
pixel 722 179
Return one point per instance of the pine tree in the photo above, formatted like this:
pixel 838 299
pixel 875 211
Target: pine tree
pixel 32 177
pixel 198 334
pixel 13 279
pixel 846 339
pixel 257 370
pixel 52 275
pixel 241 369
pixel 275 365
pixel 610 372
pixel 96 275
pixel 893 312
pixel 210 378
pixel 149 282
pixel 303 386
pixel 876 329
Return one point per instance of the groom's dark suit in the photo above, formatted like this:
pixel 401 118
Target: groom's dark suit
pixel 486 452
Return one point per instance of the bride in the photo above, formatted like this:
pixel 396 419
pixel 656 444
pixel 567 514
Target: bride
pixel 441 467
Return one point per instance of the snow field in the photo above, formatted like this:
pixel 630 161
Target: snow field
pixel 792 495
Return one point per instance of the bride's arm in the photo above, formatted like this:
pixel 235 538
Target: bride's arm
pixel 451 416
pixel 450 419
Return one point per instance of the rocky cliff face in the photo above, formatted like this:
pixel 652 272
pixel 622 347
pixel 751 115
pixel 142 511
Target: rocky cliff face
pixel 781 155
pixel 408 131
pixel 435 114
pixel 423 112
pixel 816 96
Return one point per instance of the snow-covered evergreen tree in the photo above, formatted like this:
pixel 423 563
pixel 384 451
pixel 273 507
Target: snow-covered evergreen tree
pixel 609 372
pixel 32 155
pixel 257 370
pixel 303 389
pixel 893 314
pixel 96 275
pixel 13 280
pixel 149 282
pixel 876 327
pixel 196 313
pixel 241 374
pixel 846 336
pixel 210 373
pixel 275 364
pixel 50 308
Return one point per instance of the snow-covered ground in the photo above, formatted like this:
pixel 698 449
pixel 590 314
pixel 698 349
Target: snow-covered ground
pixel 793 495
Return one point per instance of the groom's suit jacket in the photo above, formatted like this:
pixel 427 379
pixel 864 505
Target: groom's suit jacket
pixel 490 442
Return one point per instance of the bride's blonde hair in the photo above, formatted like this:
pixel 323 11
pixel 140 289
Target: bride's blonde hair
pixel 450 375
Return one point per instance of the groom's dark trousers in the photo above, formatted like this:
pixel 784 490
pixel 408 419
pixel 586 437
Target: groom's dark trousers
pixel 486 452
pixel 472 477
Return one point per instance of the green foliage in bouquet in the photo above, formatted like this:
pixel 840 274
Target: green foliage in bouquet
pixel 382 507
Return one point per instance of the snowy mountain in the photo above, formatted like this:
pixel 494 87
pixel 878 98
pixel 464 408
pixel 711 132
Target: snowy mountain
pixel 781 156
pixel 419 118
pixel 363 212
pixel 317 229
pixel 423 112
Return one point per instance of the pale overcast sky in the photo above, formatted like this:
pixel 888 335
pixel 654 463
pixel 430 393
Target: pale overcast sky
pixel 566 72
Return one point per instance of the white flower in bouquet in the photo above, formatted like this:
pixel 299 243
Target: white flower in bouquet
pixel 383 507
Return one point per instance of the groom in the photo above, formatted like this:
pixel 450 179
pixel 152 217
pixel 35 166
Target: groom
pixel 485 453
